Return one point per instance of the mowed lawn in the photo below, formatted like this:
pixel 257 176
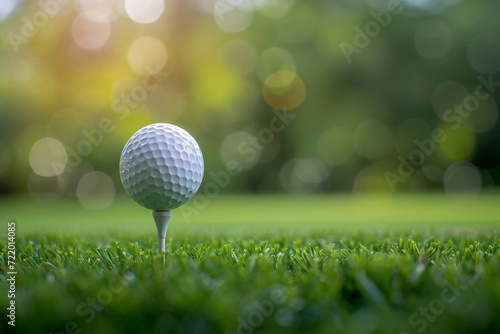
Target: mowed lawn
pixel 261 213
pixel 257 264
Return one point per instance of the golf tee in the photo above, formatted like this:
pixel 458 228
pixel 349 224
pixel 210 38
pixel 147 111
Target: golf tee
pixel 161 217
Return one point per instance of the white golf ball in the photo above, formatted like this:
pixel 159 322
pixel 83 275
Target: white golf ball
pixel 161 166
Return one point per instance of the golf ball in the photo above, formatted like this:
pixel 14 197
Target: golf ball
pixel 161 166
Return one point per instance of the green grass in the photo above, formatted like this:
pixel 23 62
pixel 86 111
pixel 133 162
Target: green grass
pixel 98 272
pixel 261 213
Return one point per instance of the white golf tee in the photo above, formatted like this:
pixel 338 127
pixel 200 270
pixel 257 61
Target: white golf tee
pixel 162 217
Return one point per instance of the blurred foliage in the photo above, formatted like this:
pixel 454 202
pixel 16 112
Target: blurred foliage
pixel 270 283
pixel 81 76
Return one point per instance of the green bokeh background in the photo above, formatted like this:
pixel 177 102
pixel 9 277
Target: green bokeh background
pixel 310 211
pixel 358 117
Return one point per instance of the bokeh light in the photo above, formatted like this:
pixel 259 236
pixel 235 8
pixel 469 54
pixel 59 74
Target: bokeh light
pixel 426 4
pixel 241 147
pixel 96 191
pixel 284 90
pixel 144 11
pixel 273 60
pixel 96 8
pixel 233 16
pixel 433 173
pixel 433 39
pixel 484 118
pixel 458 145
pixel 68 182
pixel 91 30
pixel 462 178
pixel 427 7
pixel 6 8
pixel 48 157
pixel 226 69
pixel 304 176
pixel 147 55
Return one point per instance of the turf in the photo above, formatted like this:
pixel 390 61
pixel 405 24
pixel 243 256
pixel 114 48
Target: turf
pixel 262 283
pixel 295 276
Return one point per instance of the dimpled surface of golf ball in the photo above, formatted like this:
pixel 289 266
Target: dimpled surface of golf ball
pixel 161 166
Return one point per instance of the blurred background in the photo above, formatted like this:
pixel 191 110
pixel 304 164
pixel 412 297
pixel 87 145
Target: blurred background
pixel 324 96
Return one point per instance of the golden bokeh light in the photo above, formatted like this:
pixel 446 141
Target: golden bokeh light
pixel 147 55
pixel 284 90
pixel 458 144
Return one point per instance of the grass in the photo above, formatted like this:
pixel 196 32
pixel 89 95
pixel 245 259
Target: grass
pixel 258 213
pixel 304 274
